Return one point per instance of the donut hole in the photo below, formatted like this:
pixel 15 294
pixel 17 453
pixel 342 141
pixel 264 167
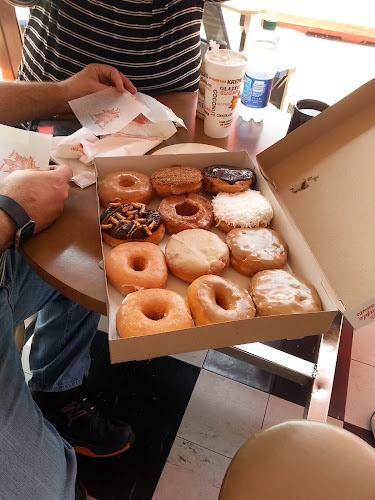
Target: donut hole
pixel 221 301
pixel 186 209
pixel 126 181
pixel 154 313
pixel 139 263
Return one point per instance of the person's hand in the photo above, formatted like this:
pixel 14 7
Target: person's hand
pixel 41 193
pixel 95 77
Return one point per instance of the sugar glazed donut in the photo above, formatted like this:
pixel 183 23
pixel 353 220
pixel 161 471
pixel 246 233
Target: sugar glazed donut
pixel 218 178
pixel 152 311
pixel 125 186
pixel 195 252
pixel 134 266
pixel 247 209
pixel 278 292
pixel 213 299
pixel 177 179
pixel 254 250
pixel 121 223
pixel 182 212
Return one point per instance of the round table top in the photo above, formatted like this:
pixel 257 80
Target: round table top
pixel 67 254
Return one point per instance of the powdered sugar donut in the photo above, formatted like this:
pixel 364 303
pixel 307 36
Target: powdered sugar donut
pixel 247 209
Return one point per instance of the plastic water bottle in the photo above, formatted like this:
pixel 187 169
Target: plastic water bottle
pixel 261 69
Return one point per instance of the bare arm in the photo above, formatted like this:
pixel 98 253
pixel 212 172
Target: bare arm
pixel 41 193
pixel 21 101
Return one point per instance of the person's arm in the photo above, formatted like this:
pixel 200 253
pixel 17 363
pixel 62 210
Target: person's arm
pixel 41 193
pixel 21 101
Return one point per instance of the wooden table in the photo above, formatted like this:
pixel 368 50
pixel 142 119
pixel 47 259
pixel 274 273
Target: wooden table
pixel 67 254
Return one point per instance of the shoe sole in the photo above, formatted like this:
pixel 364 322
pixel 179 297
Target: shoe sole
pixel 88 453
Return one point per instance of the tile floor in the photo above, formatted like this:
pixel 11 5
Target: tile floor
pixel 190 420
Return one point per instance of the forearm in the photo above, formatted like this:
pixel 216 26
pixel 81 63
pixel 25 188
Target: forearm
pixel 21 101
pixel 7 231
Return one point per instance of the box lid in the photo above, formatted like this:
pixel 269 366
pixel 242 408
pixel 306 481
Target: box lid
pixel 323 173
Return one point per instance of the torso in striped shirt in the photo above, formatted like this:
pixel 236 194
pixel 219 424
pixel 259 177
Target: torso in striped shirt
pixel 155 43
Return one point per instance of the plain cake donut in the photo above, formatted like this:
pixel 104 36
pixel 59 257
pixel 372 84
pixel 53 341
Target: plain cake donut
pixel 195 252
pixel 125 186
pixel 134 266
pixel 212 299
pixel 152 311
pixel 278 292
pixel 254 250
pixel 182 212
pixel 247 209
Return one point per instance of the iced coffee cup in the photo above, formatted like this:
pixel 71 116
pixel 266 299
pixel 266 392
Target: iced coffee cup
pixel 225 70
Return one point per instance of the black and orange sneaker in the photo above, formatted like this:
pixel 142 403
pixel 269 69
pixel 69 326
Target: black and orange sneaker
pixel 82 425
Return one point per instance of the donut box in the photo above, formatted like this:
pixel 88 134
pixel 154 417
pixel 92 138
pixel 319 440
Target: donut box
pixel 320 182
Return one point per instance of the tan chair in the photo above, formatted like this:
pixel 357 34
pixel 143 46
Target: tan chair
pixel 301 460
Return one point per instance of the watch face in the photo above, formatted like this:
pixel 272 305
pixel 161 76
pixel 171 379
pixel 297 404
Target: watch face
pixel 24 234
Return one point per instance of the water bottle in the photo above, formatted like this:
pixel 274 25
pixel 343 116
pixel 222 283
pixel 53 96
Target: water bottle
pixel 202 82
pixel 260 72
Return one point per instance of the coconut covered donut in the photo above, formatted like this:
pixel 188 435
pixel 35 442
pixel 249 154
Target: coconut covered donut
pixel 278 292
pixel 125 186
pixel 185 212
pixel 152 311
pixel 195 252
pixel 257 249
pixel 134 266
pixel 247 209
pixel 213 299
pixel 177 179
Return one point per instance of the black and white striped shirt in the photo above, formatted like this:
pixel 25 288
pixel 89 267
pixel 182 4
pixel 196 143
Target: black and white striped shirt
pixel 155 43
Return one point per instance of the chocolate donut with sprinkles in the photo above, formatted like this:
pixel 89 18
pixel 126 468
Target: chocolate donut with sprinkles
pixel 123 222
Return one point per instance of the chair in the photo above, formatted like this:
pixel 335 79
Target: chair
pixel 301 460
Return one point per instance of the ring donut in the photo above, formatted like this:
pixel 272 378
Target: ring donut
pixel 125 186
pixel 212 299
pixel 134 266
pixel 186 212
pixel 152 311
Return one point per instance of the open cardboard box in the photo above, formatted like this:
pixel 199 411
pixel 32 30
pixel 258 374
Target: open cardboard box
pixel 320 183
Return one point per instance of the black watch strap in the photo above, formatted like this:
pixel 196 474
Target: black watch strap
pixel 14 210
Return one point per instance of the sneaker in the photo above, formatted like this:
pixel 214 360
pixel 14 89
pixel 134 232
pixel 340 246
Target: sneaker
pixel 82 425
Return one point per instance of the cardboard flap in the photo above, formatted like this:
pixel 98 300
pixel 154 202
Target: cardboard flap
pixel 323 173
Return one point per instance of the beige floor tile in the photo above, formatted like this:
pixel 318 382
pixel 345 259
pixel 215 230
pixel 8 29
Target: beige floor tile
pixel 279 410
pixel 222 414
pixel 363 347
pixel 191 473
pixel 360 400
pixel 195 358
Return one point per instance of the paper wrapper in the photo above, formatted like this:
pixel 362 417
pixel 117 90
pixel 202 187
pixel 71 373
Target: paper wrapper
pixel 23 150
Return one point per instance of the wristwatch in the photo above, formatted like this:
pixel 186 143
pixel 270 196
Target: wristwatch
pixel 23 222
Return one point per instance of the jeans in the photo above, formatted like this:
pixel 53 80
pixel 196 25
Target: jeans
pixel 35 462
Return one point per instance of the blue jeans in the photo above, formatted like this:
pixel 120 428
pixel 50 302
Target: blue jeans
pixel 35 462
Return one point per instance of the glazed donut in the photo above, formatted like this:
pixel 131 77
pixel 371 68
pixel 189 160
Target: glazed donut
pixel 125 186
pixel 177 179
pixel 195 252
pixel 278 292
pixel 257 249
pixel 121 223
pixel 152 311
pixel 213 299
pixel 182 212
pixel 134 266
pixel 217 178
pixel 247 209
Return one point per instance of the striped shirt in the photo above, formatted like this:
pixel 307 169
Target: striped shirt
pixel 155 43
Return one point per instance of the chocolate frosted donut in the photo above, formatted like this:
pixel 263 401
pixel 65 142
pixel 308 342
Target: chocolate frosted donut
pixel 217 178
pixel 131 222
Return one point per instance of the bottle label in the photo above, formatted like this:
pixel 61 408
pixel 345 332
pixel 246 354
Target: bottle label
pixel 256 92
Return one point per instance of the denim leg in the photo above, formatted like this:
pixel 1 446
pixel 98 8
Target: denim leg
pixel 35 462
pixel 60 351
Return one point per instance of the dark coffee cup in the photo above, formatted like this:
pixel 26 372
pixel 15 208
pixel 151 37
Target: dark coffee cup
pixel 303 111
